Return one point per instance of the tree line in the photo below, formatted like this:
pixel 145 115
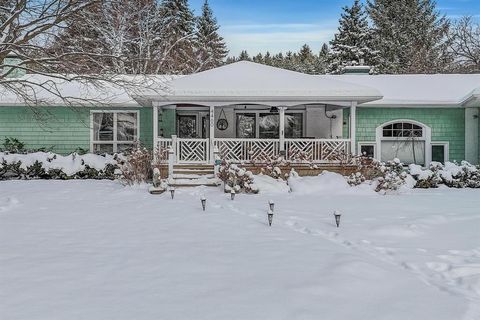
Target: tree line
pixel 143 37
pixel 391 36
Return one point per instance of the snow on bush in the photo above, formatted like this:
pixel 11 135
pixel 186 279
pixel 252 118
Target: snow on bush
pixel 393 176
pixel 452 174
pixel 48 165
pixel 267 184
pixel 236 178
pixel 326 183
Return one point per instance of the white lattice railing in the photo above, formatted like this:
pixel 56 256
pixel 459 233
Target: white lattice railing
pixel 247 150
pixel 186 150
pixel 316 150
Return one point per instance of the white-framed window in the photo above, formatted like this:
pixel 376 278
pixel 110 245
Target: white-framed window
pixel 113 131
pixel 440 150
pixel 407 140
pixel 367 149
pixel 265 125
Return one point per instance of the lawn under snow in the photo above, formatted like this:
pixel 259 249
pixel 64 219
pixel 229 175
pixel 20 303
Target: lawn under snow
pixel 98 250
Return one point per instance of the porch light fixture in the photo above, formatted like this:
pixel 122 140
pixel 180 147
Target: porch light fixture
pixel 271 204
pixel 232 194
pixel 337 216
pixel 270 217
pixel 172 192
pixel 273 110
pixel 204 202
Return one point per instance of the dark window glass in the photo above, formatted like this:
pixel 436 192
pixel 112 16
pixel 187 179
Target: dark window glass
pixel 245 125
pixel 438 153
pixel 368 151
pixel 126 126
pixel 294 125
pixel 268 125
pixel 103 126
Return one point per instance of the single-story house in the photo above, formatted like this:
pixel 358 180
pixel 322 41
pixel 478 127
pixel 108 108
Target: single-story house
pixel 249 111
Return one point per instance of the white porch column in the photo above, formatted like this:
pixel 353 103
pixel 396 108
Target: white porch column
pixel 353 127
pixel 155 130
pixel 281 129
pixel 212 133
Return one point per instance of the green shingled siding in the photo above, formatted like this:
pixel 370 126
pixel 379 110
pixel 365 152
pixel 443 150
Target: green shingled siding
pixel 61 129
pixel 167 124
pixel 447 124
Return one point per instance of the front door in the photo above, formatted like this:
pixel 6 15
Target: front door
pixel 187 126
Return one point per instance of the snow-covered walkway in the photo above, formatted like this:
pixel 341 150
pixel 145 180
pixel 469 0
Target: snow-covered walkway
pixel 98 250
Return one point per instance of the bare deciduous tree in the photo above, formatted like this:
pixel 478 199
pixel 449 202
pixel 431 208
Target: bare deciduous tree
pixel 30 30
pixel 465 39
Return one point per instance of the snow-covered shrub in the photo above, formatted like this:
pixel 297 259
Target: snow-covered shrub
pixel 356 179
pixel 137 167
pixel 463 175
pixel 47 165
pixel 236 178
pixel 393 176
pixel 428 178
pixel 13 145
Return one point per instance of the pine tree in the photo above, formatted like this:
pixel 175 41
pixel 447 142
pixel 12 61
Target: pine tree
pixel 306 60
pixel 322 60
pixel 211 48
pixel 244 56
pixel 410 35
pixel 178 37
pixel 353 41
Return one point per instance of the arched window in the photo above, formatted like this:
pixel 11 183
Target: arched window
pixel 403 139
pixel 402 130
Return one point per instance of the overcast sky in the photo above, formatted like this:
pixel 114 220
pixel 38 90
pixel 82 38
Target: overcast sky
pixel 282 25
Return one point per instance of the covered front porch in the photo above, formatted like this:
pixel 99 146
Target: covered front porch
pixel 247 112
pixel 253 133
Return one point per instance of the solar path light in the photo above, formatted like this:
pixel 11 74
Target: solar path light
pixel 270 217
pixel 337 216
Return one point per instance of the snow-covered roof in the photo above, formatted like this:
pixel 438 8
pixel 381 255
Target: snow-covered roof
pixel 245 82
pixel 420 89
pixel 248 81
pixel 56 90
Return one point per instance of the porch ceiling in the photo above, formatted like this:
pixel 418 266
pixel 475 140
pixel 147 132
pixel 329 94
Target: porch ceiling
pixel 248 82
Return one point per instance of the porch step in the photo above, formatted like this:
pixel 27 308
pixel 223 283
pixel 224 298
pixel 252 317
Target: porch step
pixel 192 175
pixel 209 182
pixel 193 172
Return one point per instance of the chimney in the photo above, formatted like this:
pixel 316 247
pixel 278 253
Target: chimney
pixel 359 69
pixel 11 60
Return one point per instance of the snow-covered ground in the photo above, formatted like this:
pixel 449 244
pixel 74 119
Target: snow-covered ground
pixel 98 250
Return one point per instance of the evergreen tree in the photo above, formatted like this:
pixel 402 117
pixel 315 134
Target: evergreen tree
pixel 244 56
pixel 322 60
pixel 258 58
pixel 178 36
pixel 410 35
pixel 306 60
pixel 353 41
pixel 211 48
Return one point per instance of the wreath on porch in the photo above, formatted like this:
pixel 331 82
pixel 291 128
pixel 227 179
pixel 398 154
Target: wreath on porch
pixel 222 123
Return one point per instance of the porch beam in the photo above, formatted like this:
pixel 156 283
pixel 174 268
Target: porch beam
pixel 353 127
pixel 281 129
